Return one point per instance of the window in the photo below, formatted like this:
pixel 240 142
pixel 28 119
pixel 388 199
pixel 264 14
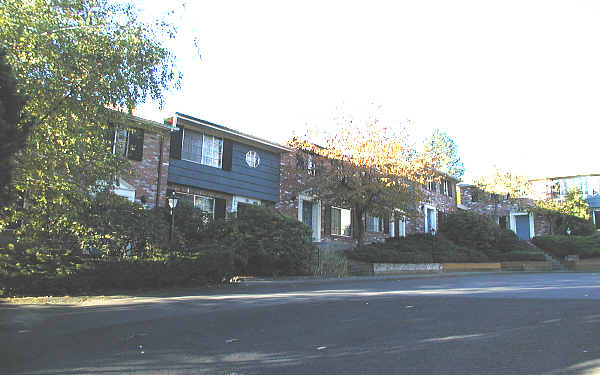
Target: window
pixel 475 196
pixel 341 222
pixel 446 187
pixel 432 186
pixel 202 148
pixel 206 204
pixel 252 159
pixel 129 143
pixel 374 224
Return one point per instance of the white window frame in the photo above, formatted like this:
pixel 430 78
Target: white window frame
pixel 446 187
pixel 241 199
pixel 430 207
pixel 208 160
pixel 252 159
pixel 316 214
pixel 212 210
pixel 341 234
pixel 374 222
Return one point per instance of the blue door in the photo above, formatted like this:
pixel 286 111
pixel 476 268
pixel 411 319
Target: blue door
pixel 522 222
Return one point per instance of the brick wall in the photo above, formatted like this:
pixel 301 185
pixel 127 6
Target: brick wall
pixel 504 207
pixel 145 178
pixel 293 180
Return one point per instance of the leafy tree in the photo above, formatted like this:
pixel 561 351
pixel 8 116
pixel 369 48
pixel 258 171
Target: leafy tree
pixel 13 127
pixel 73 59
pixel 369 168
pixel 444 152
pixel 572 212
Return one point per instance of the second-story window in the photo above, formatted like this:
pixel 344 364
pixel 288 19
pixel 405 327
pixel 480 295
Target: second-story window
pixel 129 143
pixel 202 148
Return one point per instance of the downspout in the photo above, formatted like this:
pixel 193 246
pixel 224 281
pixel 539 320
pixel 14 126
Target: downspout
pixel 160 158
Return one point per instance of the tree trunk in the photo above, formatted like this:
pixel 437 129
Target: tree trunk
pixel 358 227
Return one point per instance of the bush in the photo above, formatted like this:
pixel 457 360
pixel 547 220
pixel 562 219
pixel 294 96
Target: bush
pixel 40 272
pixel 264 242
pixel 561 246
pixel 578 226
pixel 416 248
pixel 479 232
pixel 118 227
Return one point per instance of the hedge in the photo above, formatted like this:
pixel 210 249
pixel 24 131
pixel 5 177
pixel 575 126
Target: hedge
pixel 561 246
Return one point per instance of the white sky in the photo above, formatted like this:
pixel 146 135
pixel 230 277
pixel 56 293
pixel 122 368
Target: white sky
pixel 515 83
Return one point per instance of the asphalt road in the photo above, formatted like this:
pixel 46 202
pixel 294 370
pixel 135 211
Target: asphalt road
pixel 476 324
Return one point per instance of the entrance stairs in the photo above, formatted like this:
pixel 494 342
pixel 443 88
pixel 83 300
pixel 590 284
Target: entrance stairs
pixel 556 264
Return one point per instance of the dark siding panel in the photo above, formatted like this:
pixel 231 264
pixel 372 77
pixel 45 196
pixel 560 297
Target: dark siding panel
pixel 258 183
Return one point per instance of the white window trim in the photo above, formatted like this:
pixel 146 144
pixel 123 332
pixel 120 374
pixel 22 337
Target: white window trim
pixel 241 199
pixel 316 214
pixel 341 229
pixel 212 213
pixel 513 222
pixel 401 227
pixel 380 223
pixel 202 155
pixel 425 207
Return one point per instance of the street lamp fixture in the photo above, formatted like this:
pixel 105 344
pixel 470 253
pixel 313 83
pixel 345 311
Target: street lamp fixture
pixel 172 204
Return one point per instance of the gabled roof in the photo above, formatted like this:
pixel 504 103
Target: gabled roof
pixel 230 133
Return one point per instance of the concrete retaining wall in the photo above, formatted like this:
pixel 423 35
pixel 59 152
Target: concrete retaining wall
pixel 472 266
pixel 391 268
pixel 527 266
pixel 585 265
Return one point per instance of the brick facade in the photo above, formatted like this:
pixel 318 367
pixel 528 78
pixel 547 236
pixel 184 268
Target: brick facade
pixel 149 176
pixel 471 198
pixel 293 183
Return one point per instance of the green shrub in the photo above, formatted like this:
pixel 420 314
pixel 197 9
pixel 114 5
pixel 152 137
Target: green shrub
pixel 561 246
pixel 39 272
pixel 264 242
pixel 416 248
pixel 578 226
pixel 479 232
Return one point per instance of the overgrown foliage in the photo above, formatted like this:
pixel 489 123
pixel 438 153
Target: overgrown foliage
pixel 72 60
pixel 426 248
pixel 126 247
pixel 571 213
pixel 264 242
pixel 561 246
pixel 476 231
pixel 416 248
pixel 14 126
pixel 369 169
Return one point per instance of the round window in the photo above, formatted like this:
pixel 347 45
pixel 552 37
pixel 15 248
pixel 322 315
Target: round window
pixel 252 159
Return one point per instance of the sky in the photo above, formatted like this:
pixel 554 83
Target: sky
pixel 516 84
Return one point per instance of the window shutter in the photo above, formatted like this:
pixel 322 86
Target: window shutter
pixel 220 209
pixel 136 144
pixel 386 225
pixel 327 221
pixel 176 143
pixel 110 136
pixel 227 154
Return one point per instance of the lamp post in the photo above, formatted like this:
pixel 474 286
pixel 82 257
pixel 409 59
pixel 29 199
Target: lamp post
pixel 432 242
pixel 172 204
